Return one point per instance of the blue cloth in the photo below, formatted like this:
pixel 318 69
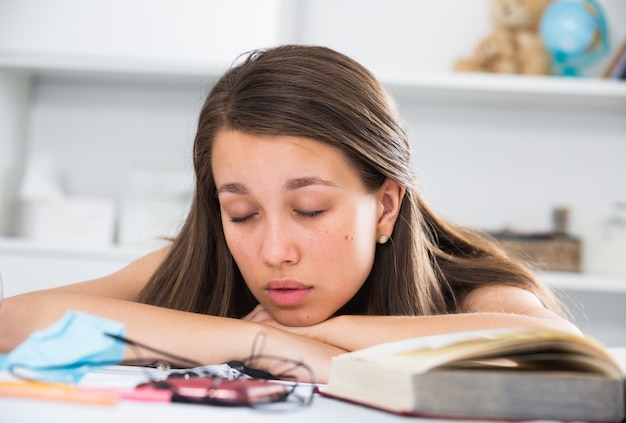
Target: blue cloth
pixel 67 349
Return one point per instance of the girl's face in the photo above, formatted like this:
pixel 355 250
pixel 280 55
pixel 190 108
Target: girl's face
pixel 298 221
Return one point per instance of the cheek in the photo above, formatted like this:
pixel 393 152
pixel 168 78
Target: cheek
pixel 351 245
pixel 239 245
pixel 362 239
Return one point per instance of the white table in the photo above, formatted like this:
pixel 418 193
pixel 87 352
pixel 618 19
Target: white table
pixel 20 410
pixel 323 410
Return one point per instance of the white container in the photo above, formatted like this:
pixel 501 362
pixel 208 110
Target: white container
pixel 69 221
pixel 154 206
pixel 604 240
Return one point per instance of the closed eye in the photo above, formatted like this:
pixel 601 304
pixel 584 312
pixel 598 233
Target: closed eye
pixel 315 213
pixel 242 219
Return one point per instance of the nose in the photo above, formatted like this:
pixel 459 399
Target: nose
pixel 278 246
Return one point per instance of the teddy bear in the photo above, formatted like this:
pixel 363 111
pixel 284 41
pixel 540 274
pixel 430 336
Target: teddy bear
pixel 515 46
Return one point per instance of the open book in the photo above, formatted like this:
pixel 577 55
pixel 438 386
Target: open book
pixel 497 374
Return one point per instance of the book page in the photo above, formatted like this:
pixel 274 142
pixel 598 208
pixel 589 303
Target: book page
pixel 434 342
pixel 619 355
pixel 426 353
pixel 568 362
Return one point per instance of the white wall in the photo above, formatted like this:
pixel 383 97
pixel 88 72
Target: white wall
pixel 493 166
pixel 183 30
pixel 100 130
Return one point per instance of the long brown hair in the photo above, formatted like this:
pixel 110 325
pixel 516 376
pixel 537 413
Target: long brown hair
pixel 429 265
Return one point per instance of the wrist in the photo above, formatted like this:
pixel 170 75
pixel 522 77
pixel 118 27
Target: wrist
pixel 329 331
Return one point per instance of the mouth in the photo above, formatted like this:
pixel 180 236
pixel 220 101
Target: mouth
pixel 287 293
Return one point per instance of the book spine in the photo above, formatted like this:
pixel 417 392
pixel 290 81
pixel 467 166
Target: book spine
pixel 617 67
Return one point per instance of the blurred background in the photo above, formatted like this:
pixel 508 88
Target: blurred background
pixel 99 101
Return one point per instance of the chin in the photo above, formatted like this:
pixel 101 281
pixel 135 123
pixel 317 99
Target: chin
pixel 298 319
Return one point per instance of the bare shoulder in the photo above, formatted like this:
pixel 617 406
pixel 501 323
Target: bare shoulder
pixel 518 301
pixel 503 299
pixel 124 284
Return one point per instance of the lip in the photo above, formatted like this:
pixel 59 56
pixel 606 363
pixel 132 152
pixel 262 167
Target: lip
pixel 287 293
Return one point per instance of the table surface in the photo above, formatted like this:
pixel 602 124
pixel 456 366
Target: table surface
pixel 323 410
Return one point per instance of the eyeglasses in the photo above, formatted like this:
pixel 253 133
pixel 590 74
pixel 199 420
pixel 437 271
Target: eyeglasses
pixel 275 386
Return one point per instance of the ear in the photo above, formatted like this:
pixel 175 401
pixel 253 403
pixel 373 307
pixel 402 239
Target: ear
pixel 389 196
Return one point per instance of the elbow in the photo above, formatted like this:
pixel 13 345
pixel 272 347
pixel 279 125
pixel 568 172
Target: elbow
pixel 567 326
pixel 9 325
pixel 554 322
pixel 18 321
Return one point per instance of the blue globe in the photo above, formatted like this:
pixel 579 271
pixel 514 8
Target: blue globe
pixel 568 28
pixel 574 33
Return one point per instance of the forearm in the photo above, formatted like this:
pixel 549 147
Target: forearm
pixel 356 332
pixel 206 339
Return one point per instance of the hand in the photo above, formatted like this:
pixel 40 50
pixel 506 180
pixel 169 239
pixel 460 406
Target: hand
pixel 298 342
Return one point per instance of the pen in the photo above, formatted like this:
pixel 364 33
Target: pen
pixel 138 394
pixel 56 392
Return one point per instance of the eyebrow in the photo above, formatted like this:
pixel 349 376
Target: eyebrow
pixel 296 183
pixel 290 185
pixel 233 188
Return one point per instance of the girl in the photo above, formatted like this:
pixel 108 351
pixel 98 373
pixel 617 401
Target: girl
pixel 306 225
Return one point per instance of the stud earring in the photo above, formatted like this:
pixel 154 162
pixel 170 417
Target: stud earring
pixel 382 239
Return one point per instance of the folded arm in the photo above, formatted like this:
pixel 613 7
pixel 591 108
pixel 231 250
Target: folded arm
pixel 202 338
pixel 485 308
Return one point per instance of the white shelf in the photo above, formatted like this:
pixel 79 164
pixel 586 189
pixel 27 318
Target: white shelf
pixel 544 90
pixel 103 67
pixel 25 248
pixel 551 90
pixel 609 88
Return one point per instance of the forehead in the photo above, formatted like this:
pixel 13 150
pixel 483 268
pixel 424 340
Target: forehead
pixel 227 137
pixel 234 147
pixel 260 165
